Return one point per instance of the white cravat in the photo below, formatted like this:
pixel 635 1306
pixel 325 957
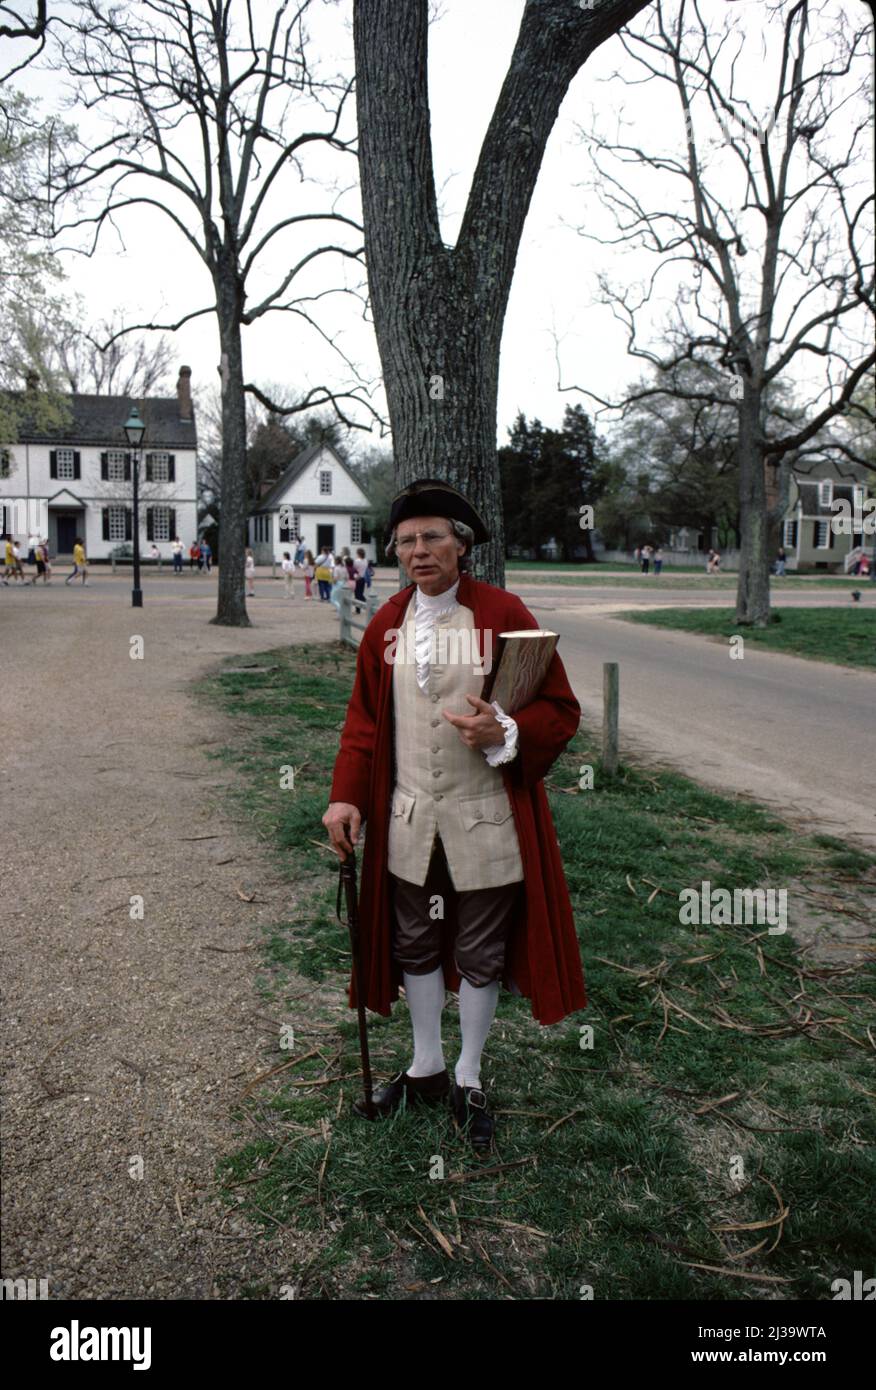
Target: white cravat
pixel 428 609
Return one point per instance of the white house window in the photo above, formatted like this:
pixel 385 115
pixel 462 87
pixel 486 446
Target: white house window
pixel 355 530
pixel 288 519
pixel 325 482
pixel 791 535
pixel 822 535
pixel 116 523
pixel 160 523
pixel 159 468
pixel 115 465
pixel 825 492
pixel 65 463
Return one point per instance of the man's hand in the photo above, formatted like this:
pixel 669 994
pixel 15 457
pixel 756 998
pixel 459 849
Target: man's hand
pixel 481 730
pixel 339 816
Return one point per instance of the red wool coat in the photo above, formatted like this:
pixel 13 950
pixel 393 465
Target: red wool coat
pixel 542 956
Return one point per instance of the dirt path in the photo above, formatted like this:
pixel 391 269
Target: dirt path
pixel 128 1042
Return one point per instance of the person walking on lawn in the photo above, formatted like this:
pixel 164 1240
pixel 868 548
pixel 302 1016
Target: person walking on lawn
pixel 462 883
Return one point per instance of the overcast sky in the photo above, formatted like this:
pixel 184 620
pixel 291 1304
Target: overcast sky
pixel 156 274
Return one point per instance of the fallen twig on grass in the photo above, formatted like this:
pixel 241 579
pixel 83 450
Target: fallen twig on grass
pixel 327 1135
pixel 572 1113
pixel 293 1062
pixel 479 1249
pixel 439 1236
pixel 488 1172
pixel 737 1273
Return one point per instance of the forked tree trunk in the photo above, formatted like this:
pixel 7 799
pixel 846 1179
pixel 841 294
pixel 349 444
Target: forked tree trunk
pixel 439 310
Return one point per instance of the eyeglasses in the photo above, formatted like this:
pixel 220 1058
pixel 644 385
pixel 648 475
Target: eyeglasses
pixel 429 538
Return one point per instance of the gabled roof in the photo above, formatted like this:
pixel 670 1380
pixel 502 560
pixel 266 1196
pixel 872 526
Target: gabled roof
pixel 299 465
pixel 100 419
pixel 65 498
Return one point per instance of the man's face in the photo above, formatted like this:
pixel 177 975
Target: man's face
pixel 432 561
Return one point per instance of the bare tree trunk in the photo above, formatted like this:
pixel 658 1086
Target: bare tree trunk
pixel 439 310
pixel 231 607
pixel 753 589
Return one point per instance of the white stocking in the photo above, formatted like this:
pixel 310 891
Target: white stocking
pixel 425 996
pixel 476 1010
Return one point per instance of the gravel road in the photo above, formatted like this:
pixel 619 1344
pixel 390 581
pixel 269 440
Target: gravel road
pixel 126 1043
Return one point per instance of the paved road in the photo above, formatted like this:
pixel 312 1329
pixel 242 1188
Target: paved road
pixel 800 735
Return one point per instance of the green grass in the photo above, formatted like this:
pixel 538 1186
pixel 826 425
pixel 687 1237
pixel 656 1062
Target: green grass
pixel 844 636
pixel 593 568
pixel 676 578
pixel 713 1046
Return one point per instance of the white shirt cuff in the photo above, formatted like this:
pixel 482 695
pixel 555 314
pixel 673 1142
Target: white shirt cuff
pixel 503 752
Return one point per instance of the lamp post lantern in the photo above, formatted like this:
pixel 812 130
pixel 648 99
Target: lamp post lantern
pixel 135 430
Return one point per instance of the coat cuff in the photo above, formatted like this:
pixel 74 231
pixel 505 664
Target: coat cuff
pixel 503 752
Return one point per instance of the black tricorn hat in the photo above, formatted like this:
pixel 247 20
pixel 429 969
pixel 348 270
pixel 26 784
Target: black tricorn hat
pixel 433 497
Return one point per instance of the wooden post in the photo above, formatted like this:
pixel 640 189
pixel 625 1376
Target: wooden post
pixel 610 701
pixel 346 632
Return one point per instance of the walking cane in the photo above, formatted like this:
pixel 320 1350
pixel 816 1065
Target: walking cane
pixel 347 887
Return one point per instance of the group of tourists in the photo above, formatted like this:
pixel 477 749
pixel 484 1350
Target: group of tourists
pixel 332 574
pixel 39 556
pixel 645 554
pixel 200 556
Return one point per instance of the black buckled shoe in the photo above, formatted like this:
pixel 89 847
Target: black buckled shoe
pixel 416 1090
pixel 469 1106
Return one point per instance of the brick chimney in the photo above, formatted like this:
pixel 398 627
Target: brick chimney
pixel 184 393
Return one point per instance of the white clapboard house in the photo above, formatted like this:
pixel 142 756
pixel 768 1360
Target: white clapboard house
pixel 316 498
pixel 77 480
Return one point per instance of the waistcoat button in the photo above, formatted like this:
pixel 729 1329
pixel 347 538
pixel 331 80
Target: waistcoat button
pixel 435 699
pixel 478 815
pixel 437 772
pixel 437 796
pixel 436 748
pixel 497 816
pixel 435 723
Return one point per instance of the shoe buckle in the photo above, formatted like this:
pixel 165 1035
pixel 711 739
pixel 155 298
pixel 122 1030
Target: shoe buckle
pixel 477 1104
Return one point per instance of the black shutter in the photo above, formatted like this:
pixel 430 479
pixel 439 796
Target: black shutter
pixel 149 468
pixel 104 473
pixel 53 463
pixel 106 534
pixel 172 523
pixel 171 468
pixel 149 527
pixel 129 525
pixel 77 466
pixel 127 468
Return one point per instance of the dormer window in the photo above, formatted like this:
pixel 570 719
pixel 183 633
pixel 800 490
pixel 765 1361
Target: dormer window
pixel 325 482
pixel 825 492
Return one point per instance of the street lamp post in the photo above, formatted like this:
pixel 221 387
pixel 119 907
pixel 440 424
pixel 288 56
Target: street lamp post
pixel 135 430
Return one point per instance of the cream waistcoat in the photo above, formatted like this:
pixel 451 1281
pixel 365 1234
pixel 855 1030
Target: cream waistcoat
pixel 442 786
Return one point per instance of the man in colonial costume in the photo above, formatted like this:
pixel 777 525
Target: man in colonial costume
pixel 462 883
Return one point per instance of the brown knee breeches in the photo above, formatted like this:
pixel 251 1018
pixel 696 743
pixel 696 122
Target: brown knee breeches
pixel 482 918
